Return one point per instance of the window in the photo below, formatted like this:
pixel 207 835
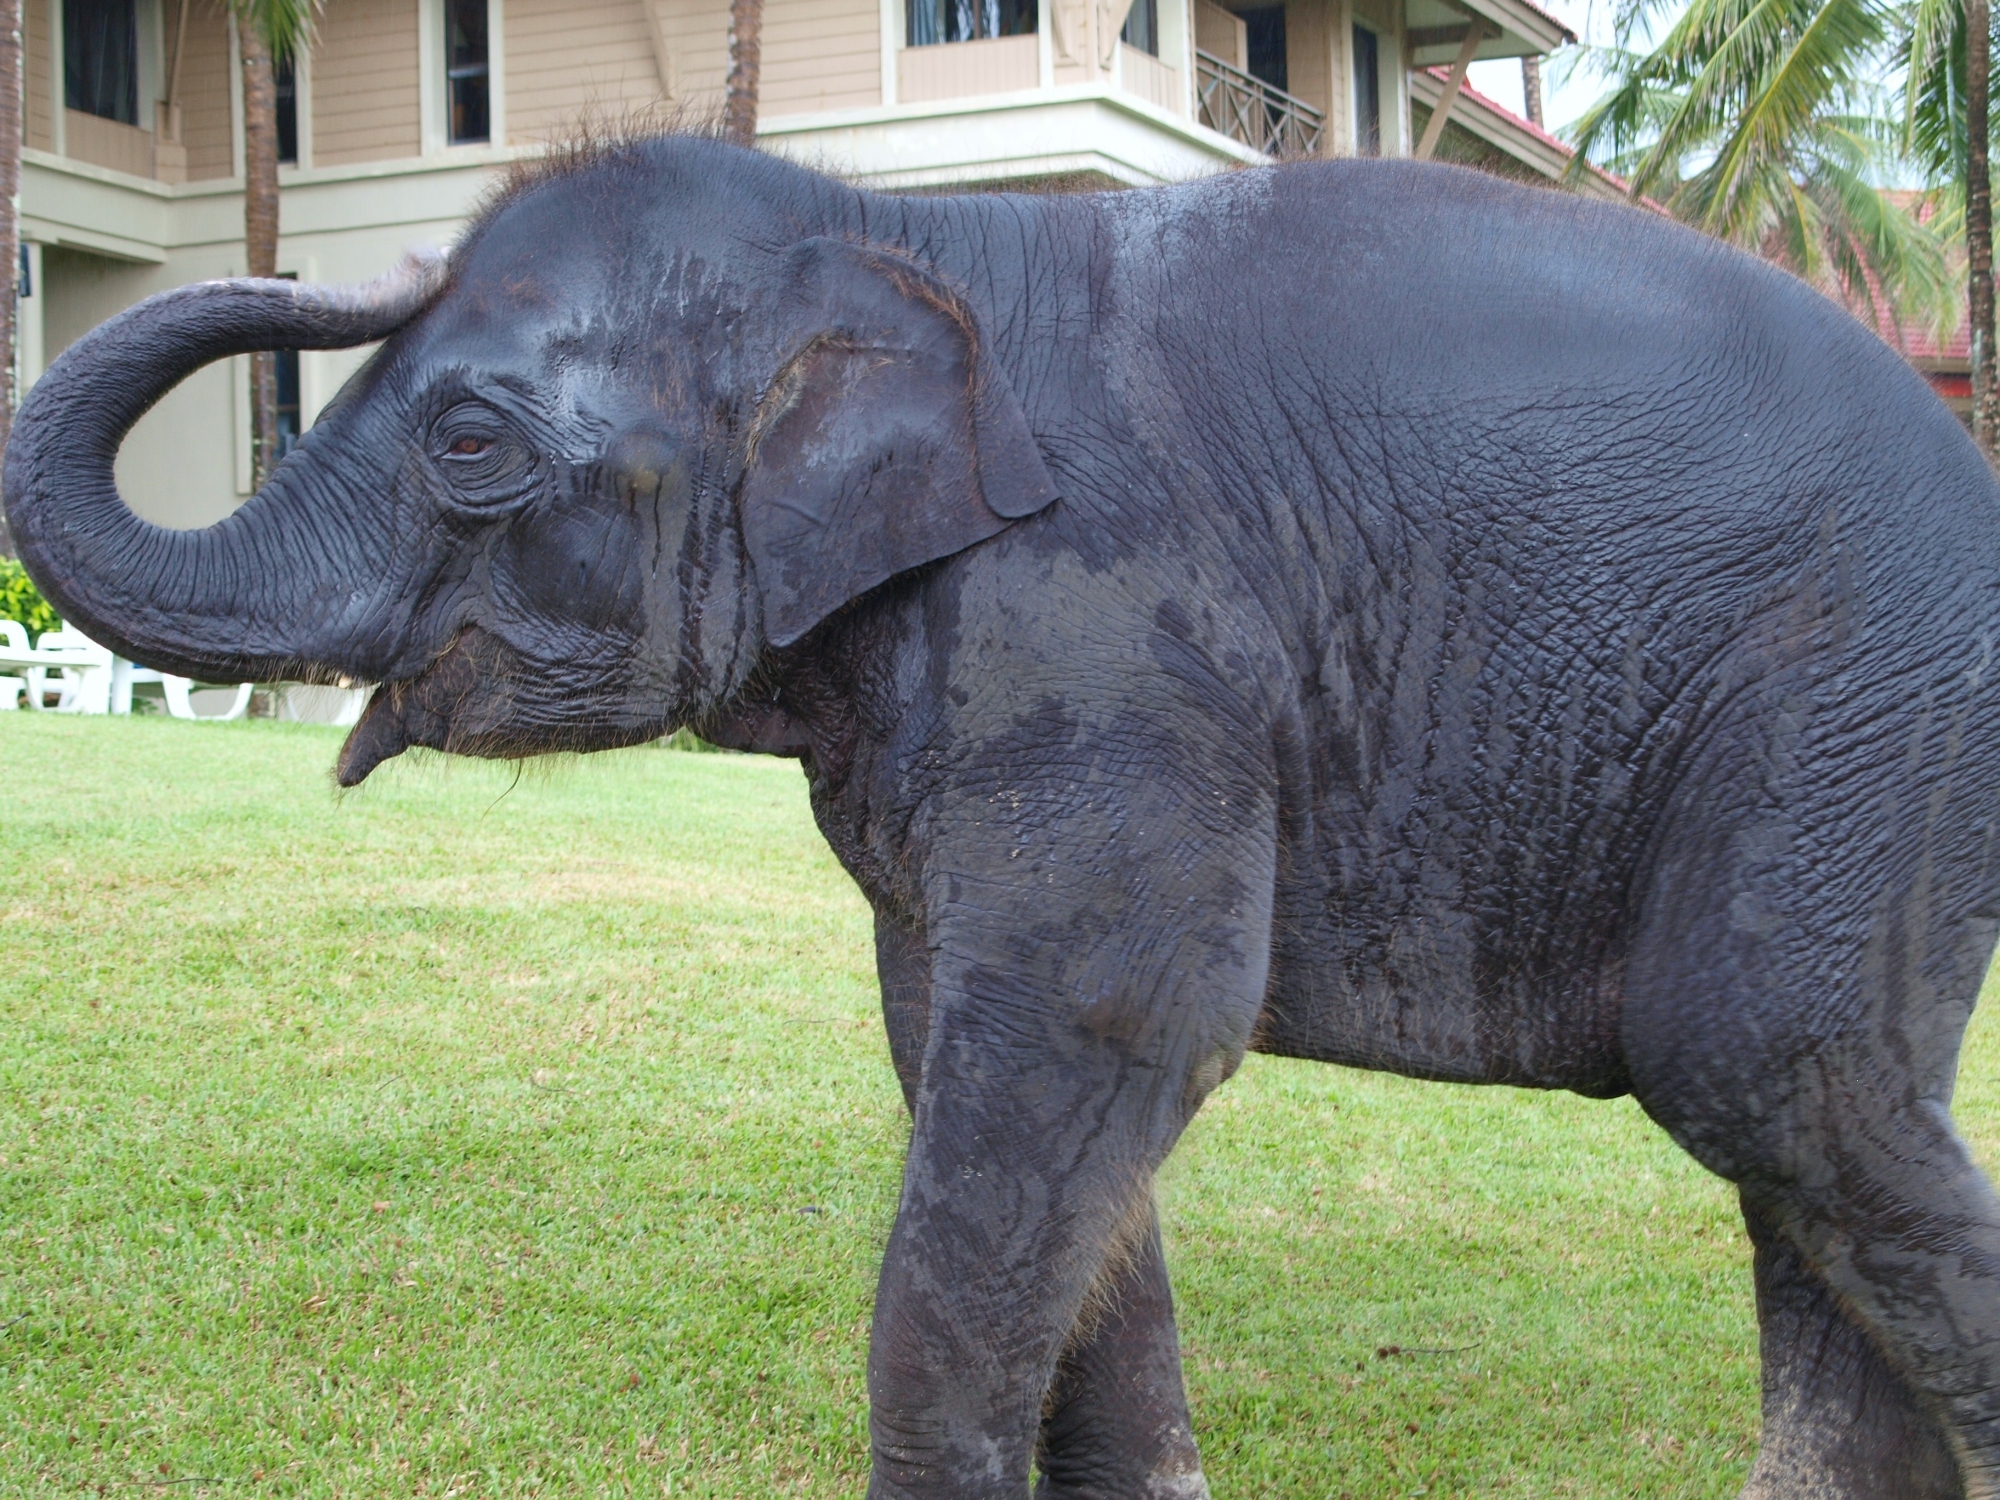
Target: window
pixel 286 365
pixel 288 111
pixel 101 58
pixel 1142 27
pixel 465 71
pixel 967 20
pixel 1367 95
pixel 1264 34
pixel 287 361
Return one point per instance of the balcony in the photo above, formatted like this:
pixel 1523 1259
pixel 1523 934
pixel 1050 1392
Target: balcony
pixel 1252 113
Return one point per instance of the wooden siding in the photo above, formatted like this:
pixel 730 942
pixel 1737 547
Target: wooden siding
pixel 206 88
pixel 38 129
pixel 953 70
pixel 107 143
pixel 365 97
pixel 1221 34
pixel 569 64
pixel 695 34
pixel 1309 54
pixel 821 54
pixel 1151 79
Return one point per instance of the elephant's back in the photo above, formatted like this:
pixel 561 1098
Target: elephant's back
pixel 1612 407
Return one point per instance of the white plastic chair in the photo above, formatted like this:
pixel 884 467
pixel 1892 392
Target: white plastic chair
pixel 14 635
pixel 180 706
pixel 84 688
pixel 125 675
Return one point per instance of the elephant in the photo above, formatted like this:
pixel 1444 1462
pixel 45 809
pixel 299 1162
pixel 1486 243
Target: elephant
pixel 1363 611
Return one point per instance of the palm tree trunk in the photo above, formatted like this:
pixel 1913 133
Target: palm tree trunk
pixel 746 27
pixel 1979 223
pixel 10 220
pixel 260 225
pixel 1531 89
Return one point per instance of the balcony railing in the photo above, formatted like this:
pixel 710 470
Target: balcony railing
pixel 1247 109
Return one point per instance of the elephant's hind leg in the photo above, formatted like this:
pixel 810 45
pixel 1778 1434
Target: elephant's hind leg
pixel 1879 1262
pixel 1839 1422
pixel 1795 996
pixel 1900 1227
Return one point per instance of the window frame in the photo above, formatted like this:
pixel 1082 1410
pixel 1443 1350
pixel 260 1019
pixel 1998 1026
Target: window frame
pixel 1151 28
pixel 1373 91
pixel 949 14
pixel 434 91
pixel 134 79
pixel 482 71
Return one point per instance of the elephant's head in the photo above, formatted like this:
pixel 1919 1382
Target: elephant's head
pixel 614 451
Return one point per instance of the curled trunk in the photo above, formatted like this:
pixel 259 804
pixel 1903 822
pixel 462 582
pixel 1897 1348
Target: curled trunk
pixel 268 591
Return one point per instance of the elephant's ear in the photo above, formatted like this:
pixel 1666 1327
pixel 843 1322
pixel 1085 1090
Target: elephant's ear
pixel 887 441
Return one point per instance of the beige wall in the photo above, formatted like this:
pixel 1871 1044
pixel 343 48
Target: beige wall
pixel 206 89
pixel 166 478
pixel 1309 53
pixel 365 95
pixel 570 64
pixel 1221 34
pixel 695 35
pixel 956 70
pixel 36 21
pixel 107 143
pixel 821 54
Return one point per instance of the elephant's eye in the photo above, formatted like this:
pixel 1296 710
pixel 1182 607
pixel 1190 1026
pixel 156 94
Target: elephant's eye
pixel 486 466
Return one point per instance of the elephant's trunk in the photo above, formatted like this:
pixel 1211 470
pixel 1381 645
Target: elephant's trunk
pixel 251 597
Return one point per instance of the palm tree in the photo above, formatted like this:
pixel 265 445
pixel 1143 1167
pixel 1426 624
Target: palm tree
pixel 268 31
pixel 10 224
pixel 746 29
pixel 1945 55
pixel 1760 122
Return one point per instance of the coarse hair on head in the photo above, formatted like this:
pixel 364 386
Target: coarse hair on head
pixel 593 141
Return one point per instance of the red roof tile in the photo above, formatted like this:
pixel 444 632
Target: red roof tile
pixel 1443 75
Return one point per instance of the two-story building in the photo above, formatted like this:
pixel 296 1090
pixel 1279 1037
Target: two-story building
pixel 394 121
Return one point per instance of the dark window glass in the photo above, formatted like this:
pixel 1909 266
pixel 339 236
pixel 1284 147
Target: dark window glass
pixel 1264 34
pixel 1142 26
pixel 287 361
pixel 1367 95
pixel 465 70
pixel 101 58
pixel 930 21
pixel 288 111
pixel 288 400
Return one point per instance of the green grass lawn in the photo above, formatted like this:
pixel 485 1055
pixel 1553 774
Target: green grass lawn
pixel 465 1137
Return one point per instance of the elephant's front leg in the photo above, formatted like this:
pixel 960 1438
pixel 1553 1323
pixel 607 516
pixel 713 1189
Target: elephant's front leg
pixel 1115 1420
pixel 1074 1024
pixel 1115 1425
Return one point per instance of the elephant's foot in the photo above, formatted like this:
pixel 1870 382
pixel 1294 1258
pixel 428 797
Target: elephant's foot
pixel 1156 1486
pixel 1839 1422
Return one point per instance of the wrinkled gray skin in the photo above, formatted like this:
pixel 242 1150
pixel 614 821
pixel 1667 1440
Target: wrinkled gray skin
pixel 1355 611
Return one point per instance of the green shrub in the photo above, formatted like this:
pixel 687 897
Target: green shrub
pixel 686 739
pixel 21 600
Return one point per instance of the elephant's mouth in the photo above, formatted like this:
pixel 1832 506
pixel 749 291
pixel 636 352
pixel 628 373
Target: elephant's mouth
pixel 482 697
pixel 462 702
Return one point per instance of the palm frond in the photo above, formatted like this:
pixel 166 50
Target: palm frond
pixel 1764 122
pixel 287 25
